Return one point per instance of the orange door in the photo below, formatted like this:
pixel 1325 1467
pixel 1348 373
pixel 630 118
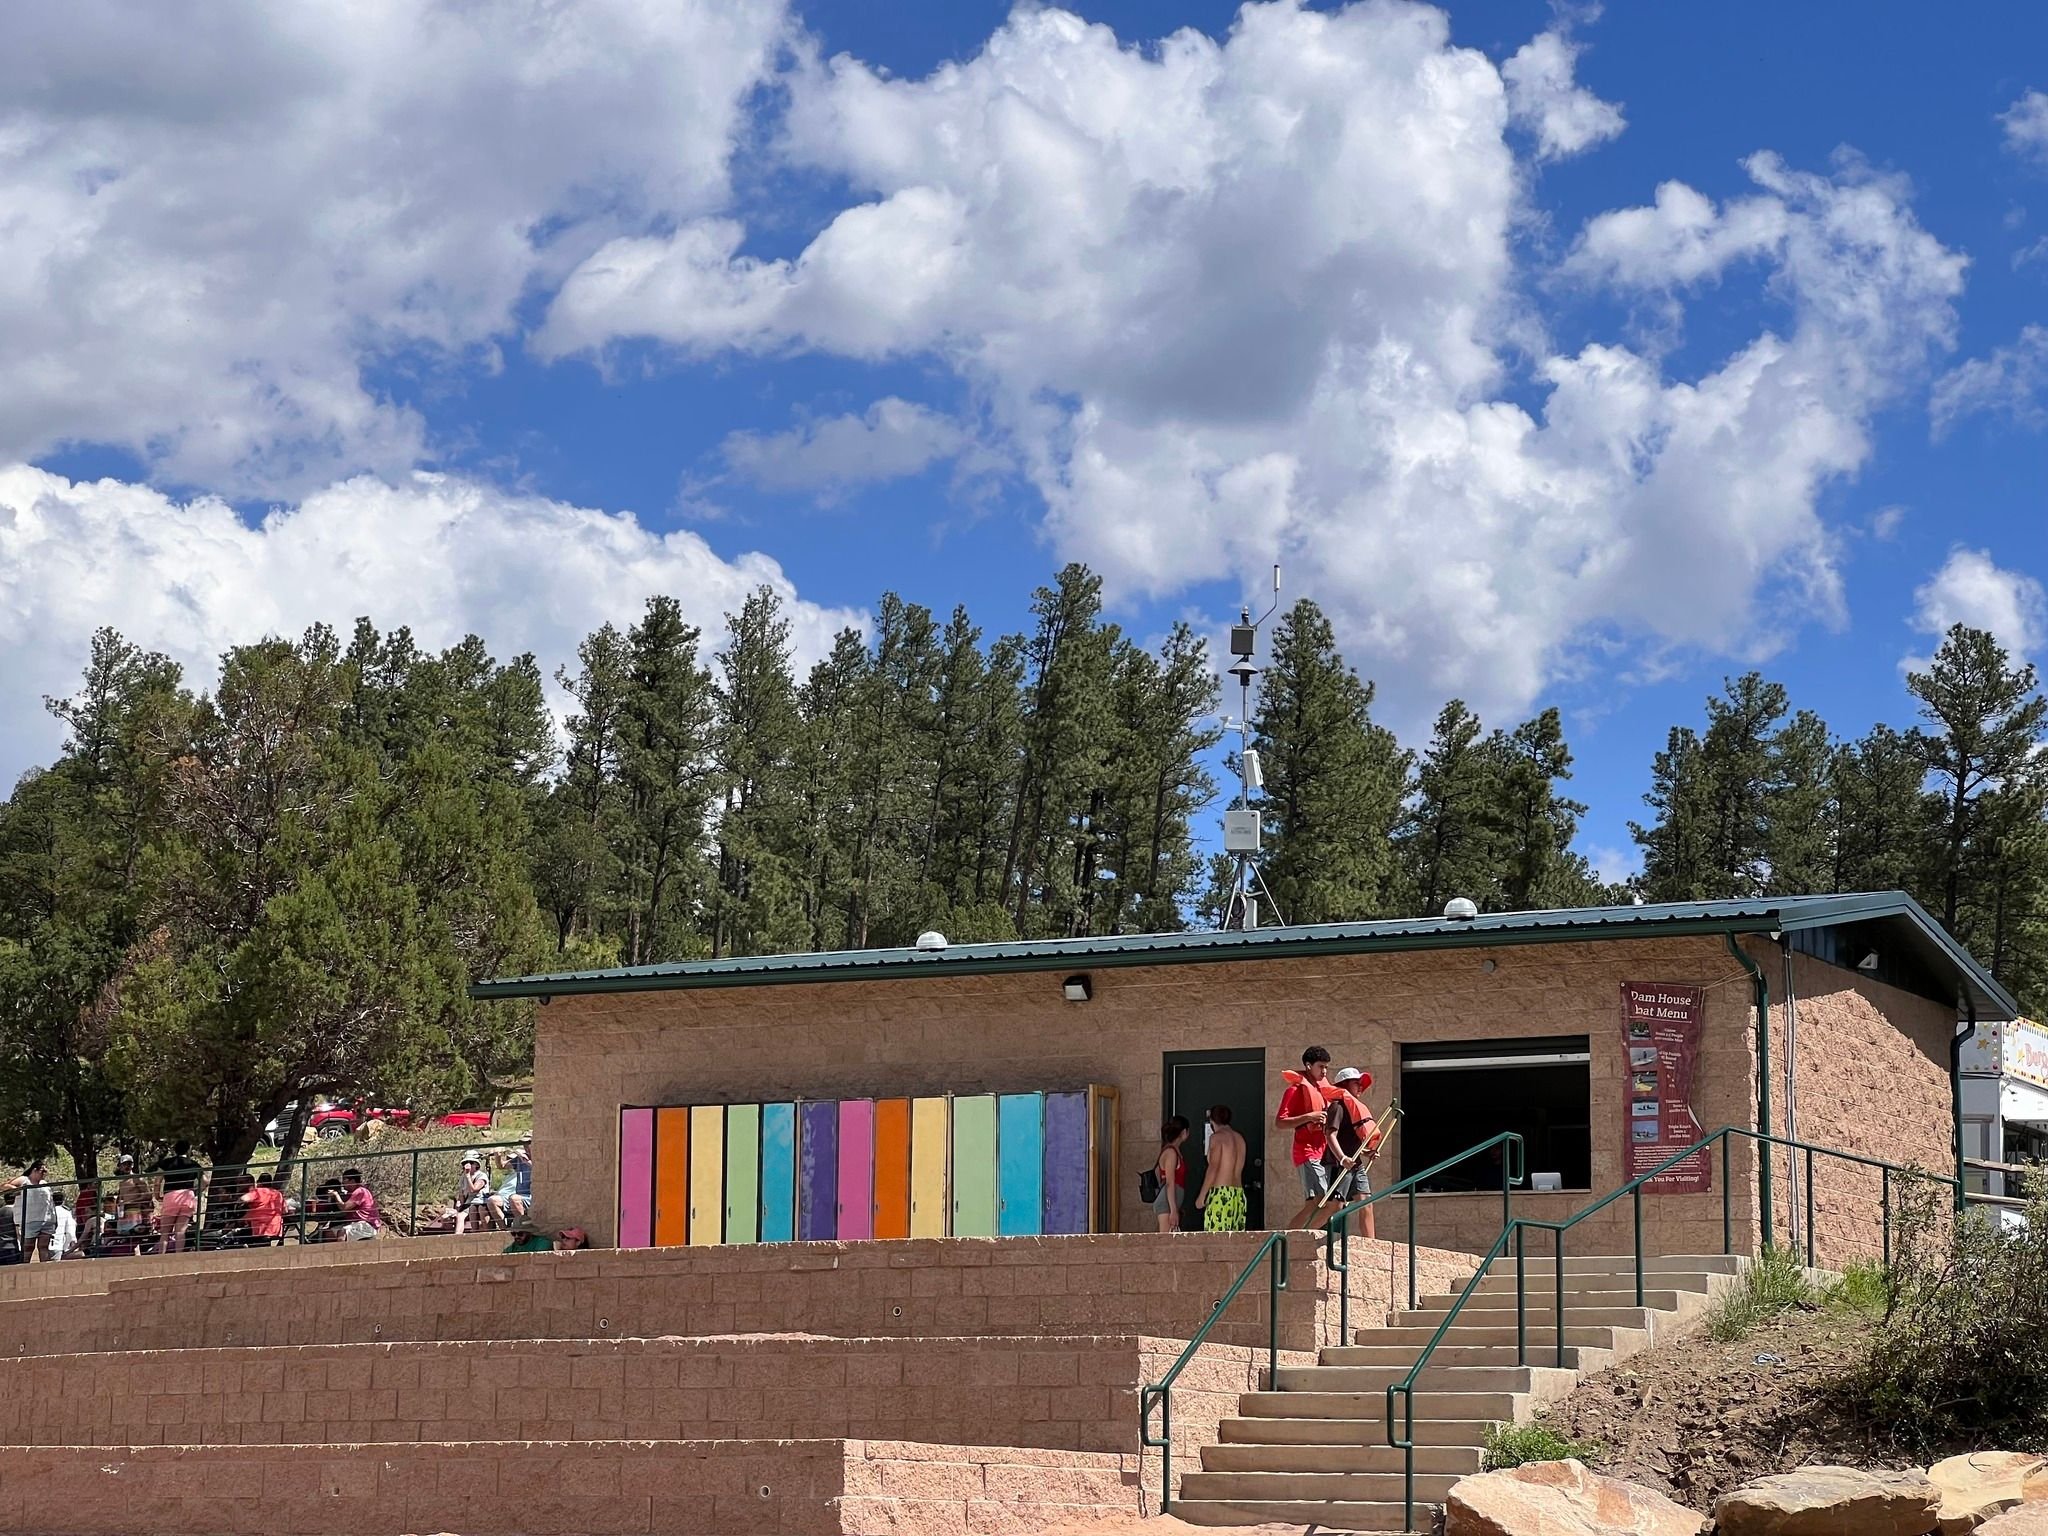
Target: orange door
pixel 671 1178
pixel 892 1167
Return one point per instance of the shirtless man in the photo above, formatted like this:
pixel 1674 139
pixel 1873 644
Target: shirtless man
pixel 1221 1200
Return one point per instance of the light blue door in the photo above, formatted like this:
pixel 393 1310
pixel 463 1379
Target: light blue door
pixel 1020 1164
pixel 778 1173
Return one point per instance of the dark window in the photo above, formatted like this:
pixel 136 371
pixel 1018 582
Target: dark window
pixel 1454 1095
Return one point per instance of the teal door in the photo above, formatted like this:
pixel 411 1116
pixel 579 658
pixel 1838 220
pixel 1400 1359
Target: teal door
pixel 1020 1164
pixel 778 1173
pixel 974 1166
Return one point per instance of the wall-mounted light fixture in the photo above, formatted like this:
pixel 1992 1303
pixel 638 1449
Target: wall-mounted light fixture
pixel 1076 989
pixel 1868 962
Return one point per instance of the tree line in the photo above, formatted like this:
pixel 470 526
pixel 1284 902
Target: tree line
pixel 215 905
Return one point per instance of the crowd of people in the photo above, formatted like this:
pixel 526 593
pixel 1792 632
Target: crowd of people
pixel 1335 1139
pixel 180 1202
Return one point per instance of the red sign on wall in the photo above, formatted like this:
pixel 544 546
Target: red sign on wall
pixel 1661 1025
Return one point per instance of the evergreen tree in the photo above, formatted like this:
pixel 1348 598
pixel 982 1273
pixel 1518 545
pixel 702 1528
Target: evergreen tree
pixel 1886 821
pixel 1801 814
pixel 757 903
pixel 1446 840
pixel 1335 780
pixel 667 778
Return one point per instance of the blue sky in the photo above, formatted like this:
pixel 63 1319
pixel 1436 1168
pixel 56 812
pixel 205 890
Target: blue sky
pixel 480 321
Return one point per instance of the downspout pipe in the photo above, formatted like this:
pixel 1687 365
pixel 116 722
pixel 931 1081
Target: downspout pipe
pixel 1955 1085
pixel 1762 987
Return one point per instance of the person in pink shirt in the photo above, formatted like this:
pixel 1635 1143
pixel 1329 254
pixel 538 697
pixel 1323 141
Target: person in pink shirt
pixel 364 1219
pixel 266 1210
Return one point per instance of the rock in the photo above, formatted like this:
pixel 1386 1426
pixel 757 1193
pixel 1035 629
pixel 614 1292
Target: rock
pixel 1830 1501
pixel 1980 1485
pixel 1561 1498
pixel 2029 1519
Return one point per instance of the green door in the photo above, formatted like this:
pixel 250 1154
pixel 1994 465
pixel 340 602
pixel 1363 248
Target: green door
pixel 742 1172
pixel 974 1166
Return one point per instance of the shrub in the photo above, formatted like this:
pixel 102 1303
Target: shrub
pixel 1962 1350
pixel 1512 1445
pixel 1865 1289
pixel 1775 1284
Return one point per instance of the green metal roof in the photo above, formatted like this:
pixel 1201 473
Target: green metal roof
pixel 1901 918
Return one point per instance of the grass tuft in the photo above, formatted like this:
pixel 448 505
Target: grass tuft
pixel 1514 1445
pixel 1775 1284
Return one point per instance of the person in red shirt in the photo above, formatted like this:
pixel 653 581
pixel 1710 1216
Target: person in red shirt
pixel 1304 1109
pixel 266 1210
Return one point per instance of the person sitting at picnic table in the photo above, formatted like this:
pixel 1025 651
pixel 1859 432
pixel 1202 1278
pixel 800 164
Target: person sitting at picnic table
pixel 266 1210
pixel 475 1194
pixel 364 1219
pixel 514 1193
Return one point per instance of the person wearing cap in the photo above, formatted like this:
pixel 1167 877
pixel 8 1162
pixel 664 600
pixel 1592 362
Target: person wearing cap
pixel 132 1201
pixel 514 1194
pixel 1353 1134
pixel 475 1194
pixel 565 1241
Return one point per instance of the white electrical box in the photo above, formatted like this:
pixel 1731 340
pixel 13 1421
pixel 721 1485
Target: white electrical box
pixel 1241 831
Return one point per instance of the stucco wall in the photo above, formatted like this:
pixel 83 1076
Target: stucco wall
pixel 916 1034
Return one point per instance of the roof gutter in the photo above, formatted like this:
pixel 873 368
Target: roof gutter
pixel 1197 954
pixel 1762 988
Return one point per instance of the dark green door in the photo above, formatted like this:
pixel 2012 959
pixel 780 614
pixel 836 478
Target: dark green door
pixel 1197 1079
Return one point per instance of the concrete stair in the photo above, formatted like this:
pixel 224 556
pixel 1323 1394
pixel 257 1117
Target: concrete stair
pixel 1312 1447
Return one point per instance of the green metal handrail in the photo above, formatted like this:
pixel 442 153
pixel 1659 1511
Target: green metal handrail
pixel 1275 1248
pixel 1518 1226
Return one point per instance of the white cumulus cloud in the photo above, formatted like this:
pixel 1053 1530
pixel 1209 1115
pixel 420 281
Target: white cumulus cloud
pixel 444 555
pixel 1566 118
pixel 2011 382
pixel 2026 127
pixel 1971 588
pixel 891 439
pixel 217 217
pixel 1260 298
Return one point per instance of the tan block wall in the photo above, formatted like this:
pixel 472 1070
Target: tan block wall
pixel 1871 1077
pixel 793 1488
pixel 89 1277
pixel 1165 1286
pixel 1073 1393
pixel 1004 1033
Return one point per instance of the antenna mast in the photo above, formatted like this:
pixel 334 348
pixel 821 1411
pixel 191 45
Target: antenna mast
pixel 1241 823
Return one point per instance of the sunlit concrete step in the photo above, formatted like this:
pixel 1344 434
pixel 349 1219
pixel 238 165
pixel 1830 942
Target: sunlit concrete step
pixel 1577 1357
pixel 1541 1299
pixel 1312 1487
pixel 1618 1263
pixel 1545 1384
pixel 1324 1517
pixel 1457 1460
pixel 1576 1332
pixel 1331 1431
pixel 1541 1280
pixel 1504 1317
pixel 1429 1404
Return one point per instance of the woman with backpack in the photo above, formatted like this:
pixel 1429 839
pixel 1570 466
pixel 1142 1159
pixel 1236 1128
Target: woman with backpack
pixel 1162 1184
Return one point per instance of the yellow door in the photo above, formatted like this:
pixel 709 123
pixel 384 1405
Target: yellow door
pixel 707 1174
pixel 929 1139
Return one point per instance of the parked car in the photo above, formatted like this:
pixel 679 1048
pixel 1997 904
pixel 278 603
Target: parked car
pixel 334 1122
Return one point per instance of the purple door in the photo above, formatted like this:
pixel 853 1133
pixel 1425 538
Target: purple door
pixel 817 1172
pixel 856 1168
pixel 1066 1162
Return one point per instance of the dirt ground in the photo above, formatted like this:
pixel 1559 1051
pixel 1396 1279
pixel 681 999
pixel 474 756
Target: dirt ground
pixel 1696 1417
pixel 1166 1525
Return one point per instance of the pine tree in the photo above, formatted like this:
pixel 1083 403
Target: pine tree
pixel 757 905
pixel 1985 726
pixel 1801 816
pixel 1335 780
pixel 1886 821
pixel 1534 825
pixel 1445 843
pixel 668 781
pixel 1678 847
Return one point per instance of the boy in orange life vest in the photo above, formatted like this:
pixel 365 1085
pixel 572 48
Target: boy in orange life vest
pixel 1304 1110
pixel 1352 1127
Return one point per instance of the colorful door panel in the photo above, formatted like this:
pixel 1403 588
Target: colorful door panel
pixel 892 1168
pixel 974 1166
pixel 636 1178
pixel 707 1170
pixel 1020 1164
pixel 930 1132
pixel 817 1172
pixel 1066 1163
pixel 857 1168
pixel 742 1173
pixel 778 1173
pixel 671 1178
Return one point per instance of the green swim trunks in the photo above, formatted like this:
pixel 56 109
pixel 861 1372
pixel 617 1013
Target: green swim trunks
pixel 1225 1211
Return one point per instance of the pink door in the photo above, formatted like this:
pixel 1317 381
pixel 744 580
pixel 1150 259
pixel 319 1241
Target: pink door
pixel 856 1168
